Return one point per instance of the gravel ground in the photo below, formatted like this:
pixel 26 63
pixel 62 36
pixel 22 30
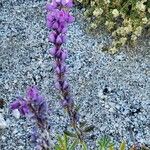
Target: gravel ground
pixel 112 91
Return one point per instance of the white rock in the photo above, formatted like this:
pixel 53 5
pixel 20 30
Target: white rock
pixel 3 123
pixel 101 95
pixel 3 138
pixel 1 110
pixel 16 113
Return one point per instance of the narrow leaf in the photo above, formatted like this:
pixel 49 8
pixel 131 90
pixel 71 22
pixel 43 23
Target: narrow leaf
pixel 73 145
pixel 57 147
pixel 65 141
pixel 82 124
pixel 70 133
pixel 84 146
pixel 123 146
pixel 111 147
pixel 88 129
pixel 61 143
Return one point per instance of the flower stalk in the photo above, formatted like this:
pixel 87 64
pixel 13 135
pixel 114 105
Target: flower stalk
pixel 58 19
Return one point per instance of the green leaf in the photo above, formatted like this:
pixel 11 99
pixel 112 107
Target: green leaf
pixel 84 146
pixel 104 143
pixel 111 147
pixel 73 145
pixel 65 141
pixel 77 108
pixel 61 142
pixel 57 147
pixel 88 129
pixel 70 134
pixel 123 145
pixel 82 124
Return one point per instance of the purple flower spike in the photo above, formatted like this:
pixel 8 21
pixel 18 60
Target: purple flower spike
pixel 60 18
pixel 35 108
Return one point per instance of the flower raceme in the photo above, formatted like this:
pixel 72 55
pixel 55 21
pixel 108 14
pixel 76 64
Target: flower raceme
pixel 34 107
pixel 58 19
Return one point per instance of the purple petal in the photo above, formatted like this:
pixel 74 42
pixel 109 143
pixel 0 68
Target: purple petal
pixel 58 71
pixel 15 105
pixel 23 109
pixel 51 6
pixel 55 25
pixel 64 37
pixel 64 30
pixel 67 3
pixel 57 85
pixel 64 55
pixel 53 51
pixel 63 103
pixel 59 39
pixel 32 93
pixel 49 24
pixel 43 107
pixel 63 69
pixel 52 37
pixel 70 19
pixel 58 53
pixel 54 65
pixel 65 85
pixel 50 17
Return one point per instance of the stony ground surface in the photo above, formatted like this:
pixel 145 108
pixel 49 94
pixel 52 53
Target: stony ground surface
pixel 112 91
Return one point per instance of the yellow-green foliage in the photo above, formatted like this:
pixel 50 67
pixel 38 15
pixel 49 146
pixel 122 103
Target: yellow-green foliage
pixel 125 19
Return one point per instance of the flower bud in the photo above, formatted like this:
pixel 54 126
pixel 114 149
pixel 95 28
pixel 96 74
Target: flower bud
pixel 15 105
pixel 52 37
pixel 65 85
pixel 57 85
pixel 55 25
pixel 59 40
pixel 51 6
pixel 64 55
pixel 53 51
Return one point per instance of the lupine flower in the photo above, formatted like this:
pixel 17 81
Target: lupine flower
pixel 58 19
pixel 34 107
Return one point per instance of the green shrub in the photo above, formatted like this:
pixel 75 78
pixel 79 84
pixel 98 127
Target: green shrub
pixel 125 19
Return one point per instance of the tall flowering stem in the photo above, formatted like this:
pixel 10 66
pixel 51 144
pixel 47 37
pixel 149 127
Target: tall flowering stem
pixel 58 18
pixel 35 108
